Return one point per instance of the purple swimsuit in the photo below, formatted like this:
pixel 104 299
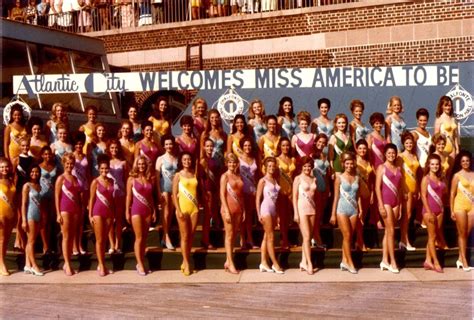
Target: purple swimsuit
pixel 151 153
pixel 142 198
pixel 183 147
pixel 270 196
pixel 391 186
pixel 304 148
pixel 377 152
pixel 435 197
pixel 69 200
pixel 103 201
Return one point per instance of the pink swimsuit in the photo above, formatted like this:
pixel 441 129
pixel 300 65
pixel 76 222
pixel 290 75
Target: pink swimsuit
pixel 270 196
pixel 435 197
pixel 391 183
pixel 142 198
pixel 306 191
pixel 151 153
pixel 304 148
pixel 377 152
pixel 103 201
pixel 191 148
pixel 69 199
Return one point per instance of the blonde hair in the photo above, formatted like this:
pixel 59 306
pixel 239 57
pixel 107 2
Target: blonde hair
pixel 232 157
pixel 68 157
pixel 134 172
pixel 389 105
pixel 251 114
pixel 54 108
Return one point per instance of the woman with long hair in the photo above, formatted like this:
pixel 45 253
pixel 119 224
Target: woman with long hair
pixel 89 127
pixel 286 118
pixel 323 124
pixel 268 143
pixel 433 189
pixel 213 130
pixel 232 207
pixel 166 167
pixel 394 123
pixel 366 174
pixel 7 210
pixel 140 207
pixel 422 136
pixel 61 146
pixel 462 205
pixel 34 128
pixel 49 173
pixel 101 210
pixel 136 128
pixel 147 147
pixel 97 147
pixel 447 162
pixel 303 141
pixel 126 142
pixel 256 119
pixel 58 115
pixel 387 188
pixel 304 208
pixel 339 142
pixel 67 195
pixel 186 202
pixel 447 125
pixel 14 132
pixel 160 118
pixel 199 112
pixel 265 200
pixel 347 207
pixel 239 130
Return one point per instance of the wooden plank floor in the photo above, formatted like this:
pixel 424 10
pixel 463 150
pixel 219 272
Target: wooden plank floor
pixel 409 300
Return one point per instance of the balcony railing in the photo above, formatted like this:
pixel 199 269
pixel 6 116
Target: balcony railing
pixel 102 15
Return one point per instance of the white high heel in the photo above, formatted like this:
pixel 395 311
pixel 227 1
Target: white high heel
pixel 262 268
pixel 345 267
pixel 384 266
pixel 277 271
pixel 407 247
pixel 459 265
pixel 393 270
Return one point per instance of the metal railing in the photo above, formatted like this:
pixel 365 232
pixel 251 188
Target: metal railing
pixel 103 15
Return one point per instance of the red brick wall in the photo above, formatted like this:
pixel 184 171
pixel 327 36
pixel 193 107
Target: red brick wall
pixel 318 21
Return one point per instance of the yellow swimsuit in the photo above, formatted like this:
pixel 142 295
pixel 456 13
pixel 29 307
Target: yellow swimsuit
pixel 270 147
pixel 15 137
pixel 448 129
pixel 463 202
pixel 160 126
pixel 236 147
pixel 7 194
pixel 89 137
pixel 286 172
pixel 445 165
pixel 128 152
pixel 409 168
pixel 187 195
pixel 364 174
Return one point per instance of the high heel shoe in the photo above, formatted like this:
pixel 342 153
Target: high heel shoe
pixel 139 272
pixel 232 271
pixel 35 272
pixel 303 267
pixel 277 271
pixel 167 245
pixel 345 267
pixel 393 270
pixel 438 269
pixel 384 266
pixel 263 268
pixel 459 265
pixel 27 270
pixel 428 266
pixel 407 246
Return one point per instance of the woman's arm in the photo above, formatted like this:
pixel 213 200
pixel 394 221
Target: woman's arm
pixel 57 195
pixel 175 195
pixel 452 196
pixel 378 190
pixel 92 199
pixel 258 197
pixel 6 142
pixel 223 197
pixel 24 206
pixel 296 184
pixel 337 183
pixel 424 195
pixel 128 200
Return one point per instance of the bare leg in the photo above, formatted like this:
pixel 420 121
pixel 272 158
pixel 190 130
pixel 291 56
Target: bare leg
pixel 166 212
pixel 346 229
pixel 405 219
pixel 68 229
pixel 185 230
pixel 100 231
pixel 389 241
pixel 138 225
pixel 206 223
pixel 429 221
pixel 306 227
pixel 30 245
pixel 268 227
pixel 44 229
pixel 6 226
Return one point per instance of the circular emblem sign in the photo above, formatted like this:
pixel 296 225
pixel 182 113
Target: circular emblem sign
pixel 24 107
pixel 462 102
pixel 230 104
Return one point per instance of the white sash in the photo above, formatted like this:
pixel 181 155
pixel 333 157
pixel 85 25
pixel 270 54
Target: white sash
pixel 35 200
pixel 68 193
pixel 268 150
pixel 435 196
pixel 140 198
pixel 4 197
pixel 232 193
pixel 21 170
pixel 188 194
pixel 408 170
pixel 389 184
pixel 102 198
pixel 166 174
pixel 310 201
pixel 211 175
pixel 287 178
pixel 348 198
pixel 249 179
pixel 46 182
pixel 465 191
pixel 273 196
pixel 377 151
pixel 337 149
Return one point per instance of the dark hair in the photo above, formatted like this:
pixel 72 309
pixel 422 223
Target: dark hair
pixel 33 121
pixel 306 160
pixel 426 170
pixel 186 119
pixel 376 117
pixel 31 167
pixel 156 109
pixel 281 113
pixel 78 137
pixel 422 112
pixel 407 135
pixel 180 161
pixel 245 139
pixel 167 137
pixel 326 101
pixel 119 145
pixel 389 146
pixel 441 102
pixel 91 107
pixel 457 161
pixel 321 135
pixel 103 158
pixel 362 142
pixel 146 123
pixel 239 116
pixel 271 117
pixel 283 139
pixel 17 107
pixel 46 148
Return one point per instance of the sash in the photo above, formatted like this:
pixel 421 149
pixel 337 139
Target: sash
pixel 234 196
pixel 166 174
pixel 35 199
pixel 141 198
pixel 377 151
pixel 102 198
pixel 46 182
pixel 408 171
pixel 68 193
pixel 268 150
pixel 249 179
pixel 21 170
pixel 236 148
pixel 272 195
pixel 287 178
pixel 337 149
pixel 5 199
pixel 349 199
pixel 435 196
pixel 211 176
pixel 307 198
pixel 188 194
pixel 465 191
pixel 389 184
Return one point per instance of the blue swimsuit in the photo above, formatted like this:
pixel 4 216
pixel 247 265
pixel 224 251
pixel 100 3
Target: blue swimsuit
pixel 347 204
pixel 396 129
pixel 167 172
pixel 320 171
pixel 289 127
pixel 34 200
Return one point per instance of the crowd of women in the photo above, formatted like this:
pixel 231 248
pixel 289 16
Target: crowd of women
pixel 277 169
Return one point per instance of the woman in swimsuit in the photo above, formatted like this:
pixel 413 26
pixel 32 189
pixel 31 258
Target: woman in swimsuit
pixel 422 136
pixel 339 142
pixel 97 147
pixel 433 190
pixel 287 167
pixel 304 207
pixel 447 162
pixel 89 127
pixel 58 115
pixel 347 207
pixel 394 123
pixel 34 129
pixel 187 142
pixel 266 203
pixel 447 125
pixel 210 174
pixel 376 140
pixel 357 129
pixel 249 172
pixel 60 147
pixel 232 207
pixel 256 119
pixel 268 143
pixel 118 171
pixel 160 118
pixel 67 196
pixel 148 147
pixel 199 111
pixel 136 125
pixel 213 130
pixel 286 118
pixel 303 142
pixel 126 142
pixel 409 164
pixel 462 204
pixel 387 188
pixel 322 172
pixel 7 211
pixel 239 130
pixel 49 173
pixel 31 218
pixel 14 132
pixel 166 166
pixel 323 124
pixel 366 174
pixel 101 209
pixel 186 202
pixel 140 207
pixel 82 172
